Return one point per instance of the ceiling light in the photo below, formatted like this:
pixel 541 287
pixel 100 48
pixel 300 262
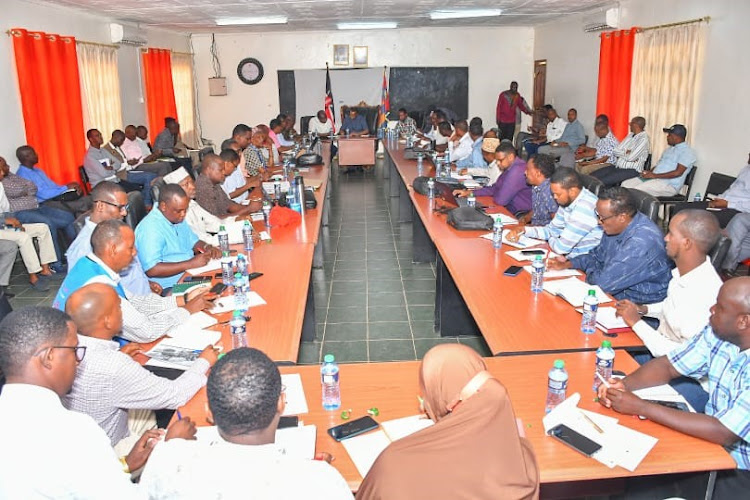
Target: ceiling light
pixel 464 13
pixel 236 21
pixel 367 26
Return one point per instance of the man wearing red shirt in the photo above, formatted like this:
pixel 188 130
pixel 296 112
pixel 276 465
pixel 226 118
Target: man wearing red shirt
pixel 507 103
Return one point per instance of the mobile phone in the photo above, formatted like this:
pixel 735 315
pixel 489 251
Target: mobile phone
pixel 513 271
pixel 218 288
pixel 675 405
pixel 353 428
pixel 535 251
pixel 575 440
pixel 217 276
pixel 252 276
pixel 285 422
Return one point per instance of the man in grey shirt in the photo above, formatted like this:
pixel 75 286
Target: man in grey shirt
pixel 100 165
pixel 166 141
pixel 563 149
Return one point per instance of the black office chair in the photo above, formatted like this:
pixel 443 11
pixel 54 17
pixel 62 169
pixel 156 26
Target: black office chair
pixel 80 221
pixel 719 252
pixel 85 183
pixel 647 163
pixel 137 210
pixel 155 187
pixel 204 151
pixel 304 125
pixel 418 117
pixel 592 183
pixel 717 184
pixel 647 204
pixel 669 201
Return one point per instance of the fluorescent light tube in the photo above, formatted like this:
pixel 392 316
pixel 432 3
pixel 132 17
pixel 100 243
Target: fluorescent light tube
pixel 237 21
pixel 367 26
pixel 464 13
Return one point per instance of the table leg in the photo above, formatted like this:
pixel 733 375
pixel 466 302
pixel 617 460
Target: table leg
pixel 395 181
pixel 423 249
pixel 387 162
pixel 404 203
pixel 452 317
pixel 308 322
pixel 318 254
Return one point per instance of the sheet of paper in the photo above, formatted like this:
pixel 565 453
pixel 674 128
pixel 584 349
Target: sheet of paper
pixel 314 185
pixel 557 273
pixel 365 449
pixel 522 243
pixel 268 187
pixel 202 320
pixel 174 355
pixel 257 216
pixel 187 336
pixel 292 441
pixel 234 230
pixel 662 393
pixel 213 265
pixel 607 317
pixel 296 403
pixel 157 363
pixel 264 236
pixel 402 427
pixel 521 257
pixel 574 290
pixel 225 304
pixel 471 184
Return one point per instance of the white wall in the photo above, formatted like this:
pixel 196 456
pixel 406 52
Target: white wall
pixel 721 135
pixel 495 56
pixel 38 16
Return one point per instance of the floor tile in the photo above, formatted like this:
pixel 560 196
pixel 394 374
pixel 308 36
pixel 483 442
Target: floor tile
pixel 424 329
pixel 385 299
pixel 390 330
pixel 345 331
pixel 349 287
pixel 420 298
pixel 386 313
pixel 478 344
pixel 346 352
pixel 375 286
pixel 421 313
pixel 354 299
pixel 424 345
pixel 420 285
pixel 346 315
pixel 309 353
pixel 391 350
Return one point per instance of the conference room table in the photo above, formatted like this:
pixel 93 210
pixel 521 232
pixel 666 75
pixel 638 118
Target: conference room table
pixel 473 296
pixel 393 388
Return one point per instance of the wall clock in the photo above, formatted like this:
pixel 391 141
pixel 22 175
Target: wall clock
pixel 250 71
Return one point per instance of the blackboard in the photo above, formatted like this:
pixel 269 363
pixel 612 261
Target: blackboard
pixel 287 92
pixel 418 89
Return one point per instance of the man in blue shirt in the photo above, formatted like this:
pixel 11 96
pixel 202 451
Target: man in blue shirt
pixel 539 169
pixel 355 124
pixel 721 353
pixel 476 158
pixel 563 149
pixel 668 176
pixel 630 262
pixel 167 247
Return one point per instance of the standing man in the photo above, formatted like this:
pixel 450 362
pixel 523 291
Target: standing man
pixel 508 102
pixel 628 157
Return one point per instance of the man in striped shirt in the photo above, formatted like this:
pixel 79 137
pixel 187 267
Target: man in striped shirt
pixel 628 157
pixel 575 229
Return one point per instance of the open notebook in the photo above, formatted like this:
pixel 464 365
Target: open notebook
pixel 574 290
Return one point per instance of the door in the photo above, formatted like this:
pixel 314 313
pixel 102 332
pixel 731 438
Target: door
pixel 540 82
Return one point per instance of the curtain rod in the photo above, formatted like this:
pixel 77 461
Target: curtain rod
pixel 681 23
pixel 108 45
pixel 172 51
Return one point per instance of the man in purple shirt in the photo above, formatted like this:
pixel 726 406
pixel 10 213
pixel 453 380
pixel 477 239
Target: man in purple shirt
pixel 510 190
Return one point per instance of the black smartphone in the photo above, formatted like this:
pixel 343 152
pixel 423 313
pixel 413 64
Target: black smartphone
pixel 536 251
pixel 675 405
pixel 574 440
pixel 217 276
pixel 285 422
pixel 218 288
pixel 353 428
pixel 252 276
pixel 513 271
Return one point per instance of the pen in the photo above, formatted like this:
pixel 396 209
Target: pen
pixel 592 423
pixel 179 415
pixel 606 384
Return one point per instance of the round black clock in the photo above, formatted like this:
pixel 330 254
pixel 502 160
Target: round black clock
pixel 250 70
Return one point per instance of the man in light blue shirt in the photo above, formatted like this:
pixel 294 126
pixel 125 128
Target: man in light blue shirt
pixel 476 158
pixel 668 176
pixel 563 149
pixel 167 247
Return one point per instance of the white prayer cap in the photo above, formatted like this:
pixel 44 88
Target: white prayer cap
pixel 176 176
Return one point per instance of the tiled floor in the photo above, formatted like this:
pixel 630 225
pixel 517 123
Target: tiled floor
pixel 27 296
pixel 371 302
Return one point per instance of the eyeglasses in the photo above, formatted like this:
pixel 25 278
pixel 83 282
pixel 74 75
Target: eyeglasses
pixel 78 350
pixel 602 219
pixel 118 207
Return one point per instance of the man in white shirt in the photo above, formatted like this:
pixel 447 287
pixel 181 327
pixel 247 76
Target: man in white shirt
pixel 236 185
pixel 555 128
pixel 691 294
pixel 628 157
pixel 460 143
pixel 246 400
pixel 436 118
pixel 322 125
pixel 133 149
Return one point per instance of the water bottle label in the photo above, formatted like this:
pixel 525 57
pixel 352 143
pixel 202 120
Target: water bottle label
pixel 557 385
pixel 237 329
pixel 330 378
pixel 604 363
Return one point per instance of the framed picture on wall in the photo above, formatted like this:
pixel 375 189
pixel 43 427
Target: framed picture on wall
pixel 341 55
pixel 360 55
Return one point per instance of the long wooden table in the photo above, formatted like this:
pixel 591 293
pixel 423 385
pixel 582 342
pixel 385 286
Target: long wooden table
pixel 356 151
pixel 393 389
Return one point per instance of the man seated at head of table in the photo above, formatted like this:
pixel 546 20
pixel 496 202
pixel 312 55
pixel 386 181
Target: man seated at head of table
pixel 210 195
pixel 355 124
pixel 575 228
pixel 691 294
pixel 590 160
pixel 235 185
pixel 167 247
pixel 110 386
pixel 245 400
pixel 476 158
pixel 474 450
pixel 145 317
pixel 718 353
pixel 510 190
pixel 630 261
pixel 460 143
pixel 539 169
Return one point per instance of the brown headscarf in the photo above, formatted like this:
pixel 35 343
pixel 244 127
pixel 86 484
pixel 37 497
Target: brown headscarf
pixel 472 452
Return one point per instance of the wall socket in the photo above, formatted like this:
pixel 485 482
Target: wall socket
pixel 217 86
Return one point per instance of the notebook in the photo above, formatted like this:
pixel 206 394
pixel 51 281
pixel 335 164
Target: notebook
pixel 574 291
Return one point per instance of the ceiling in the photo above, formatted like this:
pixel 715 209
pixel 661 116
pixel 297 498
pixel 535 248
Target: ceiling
pixel 195 16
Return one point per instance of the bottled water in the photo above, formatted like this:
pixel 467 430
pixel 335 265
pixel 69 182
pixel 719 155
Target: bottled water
pixel 329 380
pixel 247 236
pixel 497 233
pixel 240 292
pixel 238 330
pixel 471 200
pixel 431 188
pixel 242 265
pixel 557 385
pixel 277 190
pixel 227 269
pixel 537 274
pixel 697 197
pixel 605 362
pixel 420 166
pixel 590 305
pixel 223 239
pixel 267 212
pixel 447 158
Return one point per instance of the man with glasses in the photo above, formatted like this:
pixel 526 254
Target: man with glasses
pixel 630 262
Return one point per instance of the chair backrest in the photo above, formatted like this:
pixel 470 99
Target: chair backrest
pixel 304 125
pixel 647 204
pixel 137 210
pixel 85 183
pixel 717 184
pixel 204 151
pixel 719 252
pixel 647 163
pixel 155 187
pixel 80 221
pixel 592 183
pixel 418 117
pixel 688 184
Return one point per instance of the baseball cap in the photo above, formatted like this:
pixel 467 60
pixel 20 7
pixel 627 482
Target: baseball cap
pixel 676 129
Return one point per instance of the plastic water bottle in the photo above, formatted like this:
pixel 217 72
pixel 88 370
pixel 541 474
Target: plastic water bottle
pixel 420 166
pixel 227 269
pixel 242 265
pixel 240 292
pixel 471 200
pixel 447 158
pixel 329 380
pixel 497 233
pixel 267 212
pixel 590 305
pixel 557 385
pixel 223 239
pixel 537 274
pixel 697 197
pixel 431 188
pixel 238 330
pixel 277 189
pixel 247 236
pixel 605 362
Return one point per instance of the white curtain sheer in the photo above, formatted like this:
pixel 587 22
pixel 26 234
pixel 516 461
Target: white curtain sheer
pixel 667 70
pixel 184 96
pixel 100 88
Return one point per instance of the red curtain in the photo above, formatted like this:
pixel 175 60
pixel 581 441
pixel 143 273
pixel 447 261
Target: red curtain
pixel 615 68
pixel 47 69
pixel 157 78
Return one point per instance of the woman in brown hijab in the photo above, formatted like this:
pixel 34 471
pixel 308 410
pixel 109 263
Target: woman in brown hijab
pixel 472 452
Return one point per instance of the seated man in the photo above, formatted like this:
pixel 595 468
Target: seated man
pixel 246 400
pixel 539 169
pixel 167 141
pixel 145 317
pixel 289 133
pixel 668 176
pixel 22 236
pixel 628 157
pixel 133 150
pixel 210 195
pixel 355 124
pixel 322 126
pixel 235 185
pixel 738 230
pixel 459 145
pixel 434 134
pixel 563 148
pixel 575 229
pixel 630 261
pixel 241 135
pixel 445 132
pixel 593 159
pixel 691 294
pixel 268 149
pixel 8 253
pixel 275 129
pixel 110 386
pixel 554 130
pixel 490 170
pixel 21 195
pixel 167 247
pixel 131 166
pixel 110 202
pixel 510 190
pixel 100 165
pixel 718 353
pixel 253 162
pixel 65 197
pixel 406 126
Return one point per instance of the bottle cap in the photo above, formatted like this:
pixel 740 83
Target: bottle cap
pixel 247 222
pixel 607 343
pixel 592 293
pixel 559 363
pixel 538 257
pixel 328 358
pixel 224 255
pixel 236 313
pixel 222 228
pixel 237 275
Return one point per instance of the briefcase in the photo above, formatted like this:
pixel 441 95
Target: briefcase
pixel 469 219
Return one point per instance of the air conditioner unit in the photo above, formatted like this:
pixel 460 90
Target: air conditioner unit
pixel 124 34
pixel 602 20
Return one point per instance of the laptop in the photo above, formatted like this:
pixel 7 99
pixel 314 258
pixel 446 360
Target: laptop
pixel 445 192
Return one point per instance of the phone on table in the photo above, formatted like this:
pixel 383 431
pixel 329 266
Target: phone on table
pixel 575 440
pixel 535 251
pixel 218 288
pixel 513 271
pixel 252 276
pixel 285 422
pixel 353 428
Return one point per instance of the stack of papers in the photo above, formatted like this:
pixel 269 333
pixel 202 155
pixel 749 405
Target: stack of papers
pixel 187 286
pixel 213 265
pixel 292 441
pixel 574 291
pixel 608 321
pixel 226 304
pixel 268 187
